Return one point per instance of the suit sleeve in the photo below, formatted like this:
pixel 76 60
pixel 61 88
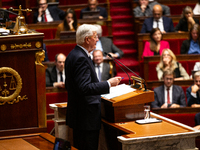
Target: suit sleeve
pixel 184 47
pixel 182 98
pixel 154 104
pixel 171 26
pixel 83 80
pixel 144 27
pixel 166 10
pixel 48 79
pixel 115 49
pixel 178 26
pixel 190 99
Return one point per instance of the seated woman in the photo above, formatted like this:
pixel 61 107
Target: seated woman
pixel 196 9
pixel 168 60
pixel 68 24
pixel 187 20
pixel 156 45
pixel 191 46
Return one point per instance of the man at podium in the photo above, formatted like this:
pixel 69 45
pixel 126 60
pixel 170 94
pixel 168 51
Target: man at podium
pixel 84 90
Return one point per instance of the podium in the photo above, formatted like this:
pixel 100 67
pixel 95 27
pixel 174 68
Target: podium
pixel 120 131
pixel 22 84
pixel 127 107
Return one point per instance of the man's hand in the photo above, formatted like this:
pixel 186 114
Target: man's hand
pixel 191 20
pixel 114 81
pixel 174 106
pixel 195 105
pixel 40 12
pixel 100 17
pixel 197 127
pixel 59 84
pixel 143 8
pixel 113 55
pixel 164 105
pixel 194 88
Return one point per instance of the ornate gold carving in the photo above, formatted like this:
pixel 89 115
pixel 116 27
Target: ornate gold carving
pixel 10 94
pixel 38 44
pixel 39 57
pixel 15 46
pixel 3 47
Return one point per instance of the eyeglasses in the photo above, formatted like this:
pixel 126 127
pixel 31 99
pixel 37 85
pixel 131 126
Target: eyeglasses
pixel 95 37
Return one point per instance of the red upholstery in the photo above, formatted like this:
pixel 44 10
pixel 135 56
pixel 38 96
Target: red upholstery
pixel 187 119
pixel 177 9
pixel 50 125
pixel 55 98
pixel 191 66
pixel 52 50
pixel 48 33
pixel 152 71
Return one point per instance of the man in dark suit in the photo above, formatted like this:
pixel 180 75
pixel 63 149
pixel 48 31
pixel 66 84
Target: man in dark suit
pixel 168 95
pixel 93 6
pixel 55 76
pixel 47 13
pixel 84 90
pixel 103 69
pixel 193 92
pixel 165 24
pixel 106 45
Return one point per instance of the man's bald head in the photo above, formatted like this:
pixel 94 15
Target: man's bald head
pixel 157 12
pixel 92 4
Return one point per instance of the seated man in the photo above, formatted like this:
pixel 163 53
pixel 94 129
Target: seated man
pixel 145 9
pixel 106 45
pixel 93 6
pixel 47 14
pixel 168 95
pixel 193 92
pixel 102 68
pixel 165 24
pixel 56 76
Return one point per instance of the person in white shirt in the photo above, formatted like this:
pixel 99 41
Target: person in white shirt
pixel 56 76
pixel 102 69
pixel 47 13
pixel 196 9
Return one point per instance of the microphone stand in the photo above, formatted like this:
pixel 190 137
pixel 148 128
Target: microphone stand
pixel 128 69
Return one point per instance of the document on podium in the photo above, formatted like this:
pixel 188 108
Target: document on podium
pixel 118 91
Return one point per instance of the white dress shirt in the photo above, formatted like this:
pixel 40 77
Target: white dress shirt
pixel 97 69
pixel 48 16
pixel 160 24
pixel 58 75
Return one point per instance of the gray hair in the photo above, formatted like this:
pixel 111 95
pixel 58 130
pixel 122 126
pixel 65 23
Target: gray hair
pixel 83 31
pixel 99 30
pixel 197 74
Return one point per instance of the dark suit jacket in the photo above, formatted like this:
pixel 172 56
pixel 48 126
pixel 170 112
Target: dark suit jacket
pixel 183 25
pixel 177 94
pixel 185 46
pixel 190 99
pixel 108 46
pixel 148 25
pixel 56 14
pixel 51 76
pixel 102 10
pixel 84 90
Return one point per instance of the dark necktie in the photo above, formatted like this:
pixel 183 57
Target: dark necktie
pixel 157 24
pixel 61 77
pixel 99 72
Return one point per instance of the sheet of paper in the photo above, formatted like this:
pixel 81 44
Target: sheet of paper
pixel 118 91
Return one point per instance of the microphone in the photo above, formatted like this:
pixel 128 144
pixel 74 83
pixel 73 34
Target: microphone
pixel 117 62
pixel 129 82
